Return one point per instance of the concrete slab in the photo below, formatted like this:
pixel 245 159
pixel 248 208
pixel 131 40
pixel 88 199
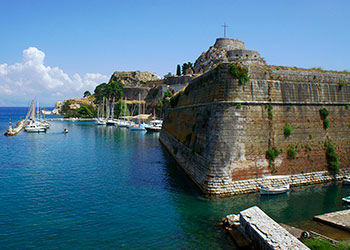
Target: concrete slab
pixel 340 219
pixel 265 233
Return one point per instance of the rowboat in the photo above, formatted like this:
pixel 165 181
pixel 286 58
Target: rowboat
pixel 274 190
pixel 346 180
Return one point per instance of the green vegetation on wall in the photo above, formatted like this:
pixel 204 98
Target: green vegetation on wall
pixel 324 114
pixel 291 153
pixel 271 154
pixel 287 130
pixel 331 156
pixel 269 111
pixel 240 72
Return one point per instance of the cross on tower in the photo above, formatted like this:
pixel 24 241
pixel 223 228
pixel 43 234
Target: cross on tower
pixel 225 26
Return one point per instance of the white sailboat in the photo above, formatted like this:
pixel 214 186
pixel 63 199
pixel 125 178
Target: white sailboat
pixel 100 120
pixel 123 123
pixel 31 123
pixel 111 121
pixel 138 126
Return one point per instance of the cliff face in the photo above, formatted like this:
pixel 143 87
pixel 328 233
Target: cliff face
pixel 219 131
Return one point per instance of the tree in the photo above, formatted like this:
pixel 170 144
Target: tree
pixel 167 75
pixel 109 90
pixel 87 94
pixel 190 65
pixel 184 68
pixel 178 70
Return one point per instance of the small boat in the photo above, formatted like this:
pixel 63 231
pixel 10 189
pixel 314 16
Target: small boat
pixel 346 180
pixel 346 199
pixel 274 190
pixel 34 128
pixel 136 127
pixel 111 122
pixel 155 126
pixel 65 130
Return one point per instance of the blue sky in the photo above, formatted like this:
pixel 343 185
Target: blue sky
pixel 81 43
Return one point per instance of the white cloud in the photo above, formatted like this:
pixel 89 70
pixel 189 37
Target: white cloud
pixel 21 82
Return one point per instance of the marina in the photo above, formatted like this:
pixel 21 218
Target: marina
pixel 60 191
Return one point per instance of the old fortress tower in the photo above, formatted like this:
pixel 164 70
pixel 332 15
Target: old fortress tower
pixel 240 123
pixel 227 50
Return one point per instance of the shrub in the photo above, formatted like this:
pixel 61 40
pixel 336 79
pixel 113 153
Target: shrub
pixel 240 72
pixel 287 130
pixel 324 113
pixel 239 105
pixel 308 147
pixel 332 157
pixel 342 84
pixel 271 154
pixel 291 153
pixel 270 115
pixel 325 123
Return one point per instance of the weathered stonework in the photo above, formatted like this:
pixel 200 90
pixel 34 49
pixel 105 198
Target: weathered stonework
pixel 219 131
pixel 226 50
pixel 133 77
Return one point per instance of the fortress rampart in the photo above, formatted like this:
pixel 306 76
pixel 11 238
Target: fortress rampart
pixel 229 44
pixel 219 131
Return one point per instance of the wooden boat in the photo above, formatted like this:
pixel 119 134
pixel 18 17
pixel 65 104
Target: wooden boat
pixel 346 180
pixel 274 190
pixel 346 199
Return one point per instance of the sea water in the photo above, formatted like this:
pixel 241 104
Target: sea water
pixel 100 187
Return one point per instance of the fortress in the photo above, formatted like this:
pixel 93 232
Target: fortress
pixel 227 50
pixel 222 128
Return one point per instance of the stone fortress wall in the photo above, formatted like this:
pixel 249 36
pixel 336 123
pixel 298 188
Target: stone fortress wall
pixel 229 44
pixel 226 50
pixel 219 131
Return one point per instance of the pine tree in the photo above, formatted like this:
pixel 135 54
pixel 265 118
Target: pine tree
pixel 178 70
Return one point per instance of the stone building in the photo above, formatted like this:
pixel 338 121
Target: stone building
pixel 226 50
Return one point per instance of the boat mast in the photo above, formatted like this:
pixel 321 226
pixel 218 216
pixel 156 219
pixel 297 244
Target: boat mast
pixel 125 109
pixel 32 117
pixel 138 117
pixel 112 109
pixel 103 107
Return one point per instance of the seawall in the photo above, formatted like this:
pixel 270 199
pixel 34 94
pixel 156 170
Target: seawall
pixel 219 130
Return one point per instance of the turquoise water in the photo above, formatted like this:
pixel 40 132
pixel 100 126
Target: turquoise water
pixel 108 188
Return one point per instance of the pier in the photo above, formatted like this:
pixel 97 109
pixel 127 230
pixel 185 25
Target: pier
pixel 14 131
pixel 260 231
pixel 340 219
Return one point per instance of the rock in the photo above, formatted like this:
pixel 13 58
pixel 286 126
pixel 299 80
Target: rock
pixel 58 108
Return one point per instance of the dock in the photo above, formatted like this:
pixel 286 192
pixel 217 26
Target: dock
pixel 14 131
pixel 340 219
pixel 261 232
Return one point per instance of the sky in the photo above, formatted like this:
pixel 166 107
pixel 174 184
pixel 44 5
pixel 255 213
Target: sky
pixel 56 50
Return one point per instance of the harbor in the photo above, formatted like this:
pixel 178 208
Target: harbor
pixel 102 177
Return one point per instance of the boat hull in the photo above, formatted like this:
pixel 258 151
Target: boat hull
pixel 274 190
pixel 35 130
